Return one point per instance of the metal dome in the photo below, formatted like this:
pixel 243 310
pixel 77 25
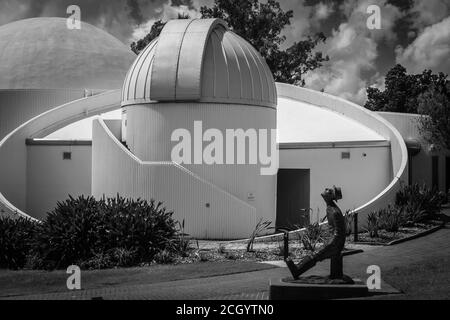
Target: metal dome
pixel 199 60
pixel 42 53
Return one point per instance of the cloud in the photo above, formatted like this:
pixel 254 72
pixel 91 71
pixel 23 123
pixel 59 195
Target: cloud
pixel 426 13
pixel 300 24
pixel 430 50
pixel 322 11
pixel 168 11
pixel 118 17
pixel 353 50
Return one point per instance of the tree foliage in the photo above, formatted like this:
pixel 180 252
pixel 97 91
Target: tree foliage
pixel 155 30
pixel 403 90
pixel 435 127
pixel 261 24
pixel 425 93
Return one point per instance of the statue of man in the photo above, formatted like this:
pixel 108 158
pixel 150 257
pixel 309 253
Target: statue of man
pixel 333 249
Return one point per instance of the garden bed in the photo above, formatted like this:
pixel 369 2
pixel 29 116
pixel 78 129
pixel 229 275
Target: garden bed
pixel 403 234
pixel 213 251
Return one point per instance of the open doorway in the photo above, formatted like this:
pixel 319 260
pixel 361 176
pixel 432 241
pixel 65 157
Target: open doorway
pixel 292 196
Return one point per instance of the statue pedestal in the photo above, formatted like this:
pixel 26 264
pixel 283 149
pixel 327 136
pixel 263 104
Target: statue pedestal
pixel 316 288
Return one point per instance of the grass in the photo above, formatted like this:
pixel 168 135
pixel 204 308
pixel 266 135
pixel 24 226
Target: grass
pixel 26 282
pixel 425 280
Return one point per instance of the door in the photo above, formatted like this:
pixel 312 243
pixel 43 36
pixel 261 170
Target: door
pixel 292 196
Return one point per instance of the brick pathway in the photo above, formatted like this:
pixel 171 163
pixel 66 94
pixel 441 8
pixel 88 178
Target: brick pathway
pixel 254 285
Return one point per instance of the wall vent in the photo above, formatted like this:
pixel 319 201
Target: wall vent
pixel 345 155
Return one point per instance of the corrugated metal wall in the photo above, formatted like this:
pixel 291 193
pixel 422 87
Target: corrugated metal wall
pixel 149 130
pixel 208 211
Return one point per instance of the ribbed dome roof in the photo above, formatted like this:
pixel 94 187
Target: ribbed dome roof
pixel 42 53
pixel 199 60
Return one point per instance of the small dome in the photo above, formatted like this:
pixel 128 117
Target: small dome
pixel 199 60
pixel 42 53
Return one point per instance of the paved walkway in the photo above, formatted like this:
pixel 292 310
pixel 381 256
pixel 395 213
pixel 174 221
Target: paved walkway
pixel 254 285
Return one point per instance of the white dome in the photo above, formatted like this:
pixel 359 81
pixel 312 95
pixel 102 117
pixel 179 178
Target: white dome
pixel 42 53
pixel 199 60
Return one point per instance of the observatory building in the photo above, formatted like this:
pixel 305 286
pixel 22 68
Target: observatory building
pixel 81 114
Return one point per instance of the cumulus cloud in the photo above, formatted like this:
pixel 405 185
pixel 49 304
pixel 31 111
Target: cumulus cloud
pixel 430 50
pixel 322 10
pixel 429 12
pixel 168 11
pixel 118 17
pixel 353 50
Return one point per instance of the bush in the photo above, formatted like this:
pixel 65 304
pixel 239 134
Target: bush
pixel 15 241
pixel 312 235
pixel 391 219
pixel 103 233
pixel 349 219
pixel 372 224
pixel 261 226
pixel 75 231
pixel 420 202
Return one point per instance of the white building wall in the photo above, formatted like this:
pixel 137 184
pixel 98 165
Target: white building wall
pixel 361 177
pixel 13 150
pixel 208 211
pixel 150 126
pixel 398 152
pixel 408 126
pixel 51 179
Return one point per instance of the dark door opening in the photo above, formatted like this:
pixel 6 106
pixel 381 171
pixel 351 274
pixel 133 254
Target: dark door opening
pixel 292 196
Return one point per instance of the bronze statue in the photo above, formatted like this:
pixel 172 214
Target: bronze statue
pixel 333 249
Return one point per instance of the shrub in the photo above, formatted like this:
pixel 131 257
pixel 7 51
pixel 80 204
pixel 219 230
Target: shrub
pixel 391 219
pixel 164 257
pixel 311 236
pixel 75 231
pixel 103 233
pixel 181 243
pixel 420 201
pixel 141 226
pixel 349 220
pixel 260 227
pixel 372 224
pixel 15 241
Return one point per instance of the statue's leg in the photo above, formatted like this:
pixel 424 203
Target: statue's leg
pixel 336 267
pixel 303 266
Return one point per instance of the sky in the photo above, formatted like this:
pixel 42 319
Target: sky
pixel 415 33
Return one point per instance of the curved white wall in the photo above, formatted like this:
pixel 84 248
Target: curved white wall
pixel 399 154
pixel 208 211
pixel 13 155
pixel 18 106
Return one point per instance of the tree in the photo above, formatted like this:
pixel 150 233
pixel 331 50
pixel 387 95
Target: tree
pixel 262 24
pixel 435 126
pixel 426 93
pixel 155 30
pixel 403 90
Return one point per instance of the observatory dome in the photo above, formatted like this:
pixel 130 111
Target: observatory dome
pixel 199 60
pixel 42 53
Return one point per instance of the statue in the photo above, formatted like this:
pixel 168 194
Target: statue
pixel 333 249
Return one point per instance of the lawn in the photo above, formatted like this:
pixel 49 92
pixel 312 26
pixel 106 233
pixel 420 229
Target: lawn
pixel 24 282
pixel 425 280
